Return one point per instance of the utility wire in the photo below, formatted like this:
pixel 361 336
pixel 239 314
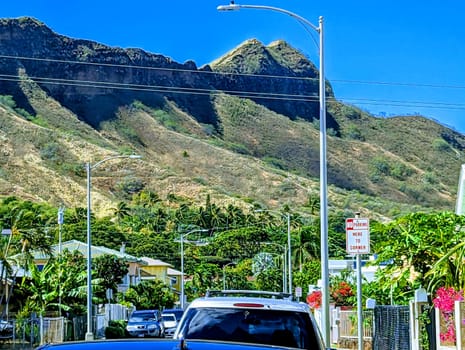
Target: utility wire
pixel 161 89
pixel 163 69
pixel 244 94
pixel 345 81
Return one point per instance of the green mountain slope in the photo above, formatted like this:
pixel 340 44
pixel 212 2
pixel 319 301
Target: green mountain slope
pixel 251 150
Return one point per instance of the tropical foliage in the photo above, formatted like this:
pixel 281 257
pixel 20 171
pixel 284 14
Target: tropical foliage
pixel 151 294
pixel 420 250
pixel 241 249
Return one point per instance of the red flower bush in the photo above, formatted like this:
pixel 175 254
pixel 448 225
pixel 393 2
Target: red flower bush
pixel 314 299
pixel 340 293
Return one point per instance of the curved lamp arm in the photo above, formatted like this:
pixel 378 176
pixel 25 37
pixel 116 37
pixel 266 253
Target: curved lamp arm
pixel 236 7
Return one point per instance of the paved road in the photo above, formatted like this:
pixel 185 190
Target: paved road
pixel 11 346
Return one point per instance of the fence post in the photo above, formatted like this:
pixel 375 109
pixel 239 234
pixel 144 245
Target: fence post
pixel 336 320
pixel 41 330
pixel 414 309
pixel 459 312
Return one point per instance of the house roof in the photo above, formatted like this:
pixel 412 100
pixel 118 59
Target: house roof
pixel 155 262
pixel 96 251
pixel 173 272
pixel 16 272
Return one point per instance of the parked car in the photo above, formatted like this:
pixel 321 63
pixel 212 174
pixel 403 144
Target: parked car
pixel 177 312
pixel 169 323
pixel 6 329
pixel 145 323
pixel 153 344
pixel 170 328
pixel 252 317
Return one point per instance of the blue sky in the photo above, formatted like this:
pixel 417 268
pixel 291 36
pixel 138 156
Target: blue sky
pixel 387 57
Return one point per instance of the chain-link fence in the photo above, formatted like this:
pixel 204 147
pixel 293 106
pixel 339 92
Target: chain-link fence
pixel 391 328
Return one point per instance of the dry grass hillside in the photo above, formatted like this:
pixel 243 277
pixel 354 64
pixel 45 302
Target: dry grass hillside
pixel 43 158
pixel 251 150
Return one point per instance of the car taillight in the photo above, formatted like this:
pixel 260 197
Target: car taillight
pixel 248 305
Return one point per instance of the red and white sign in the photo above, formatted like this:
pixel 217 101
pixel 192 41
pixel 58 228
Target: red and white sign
pixel 357 236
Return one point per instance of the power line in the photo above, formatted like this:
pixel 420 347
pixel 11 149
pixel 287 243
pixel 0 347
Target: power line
pixel 160 88
pixel 198 71
pixel 400 103
pixel 166 69
pixel 244 94
pixel 439 86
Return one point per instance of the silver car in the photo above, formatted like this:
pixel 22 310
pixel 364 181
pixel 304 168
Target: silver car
pixel 145 323
pixel 251 317
pixel 169 323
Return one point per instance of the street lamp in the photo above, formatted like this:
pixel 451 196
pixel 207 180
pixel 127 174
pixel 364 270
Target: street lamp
pixel 182 261
pixel 289 248
pixel 89 167
pixel 283 247
pixel 323 170
pixel 60 217
pixel 224 273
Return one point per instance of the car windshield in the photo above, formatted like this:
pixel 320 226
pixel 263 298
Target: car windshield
pixel 258 326
pixel 168 318
pixel 176 312
pixel 140 317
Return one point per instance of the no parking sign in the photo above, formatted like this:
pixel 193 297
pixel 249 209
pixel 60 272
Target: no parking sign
pixel 357 236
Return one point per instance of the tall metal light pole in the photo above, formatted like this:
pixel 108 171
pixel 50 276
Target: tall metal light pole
pixel 224 273
pixel 289 247
pixel 323 171
pixel 283 247
pixel 89 167
pixel 183 235
pixel 60 219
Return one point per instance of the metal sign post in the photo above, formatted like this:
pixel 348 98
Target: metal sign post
pixel 358 242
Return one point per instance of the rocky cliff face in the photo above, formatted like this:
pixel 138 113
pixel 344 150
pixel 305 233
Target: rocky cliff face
pixel 276 76
pixel 93 80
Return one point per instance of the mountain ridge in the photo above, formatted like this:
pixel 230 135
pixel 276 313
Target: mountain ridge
pixel 217 130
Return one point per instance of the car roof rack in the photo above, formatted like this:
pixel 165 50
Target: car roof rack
pixel 248 293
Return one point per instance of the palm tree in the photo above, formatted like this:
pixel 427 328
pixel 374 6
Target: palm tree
pixel 25 234
pixel 234 216
pixel 313 202
pixel 121 211
pixel 306 245
pixel 5 271
pixel 146 198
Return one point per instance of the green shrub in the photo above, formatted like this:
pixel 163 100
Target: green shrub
pixel 130 186
pixel 441 145
pixel 275 162
pixel 237 148
pixel 379 166
pixel 138 105
pixel 40 120
pixel 350 112
pixel 430 178
pixel 401 171
pixel 354 133
pixel 116 330
pixel 52 152
pixel 8 101
pixel 25 114
pixel 201 180
pixel 126 149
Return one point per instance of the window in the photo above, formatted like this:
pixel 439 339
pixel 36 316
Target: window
pixel 258 326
